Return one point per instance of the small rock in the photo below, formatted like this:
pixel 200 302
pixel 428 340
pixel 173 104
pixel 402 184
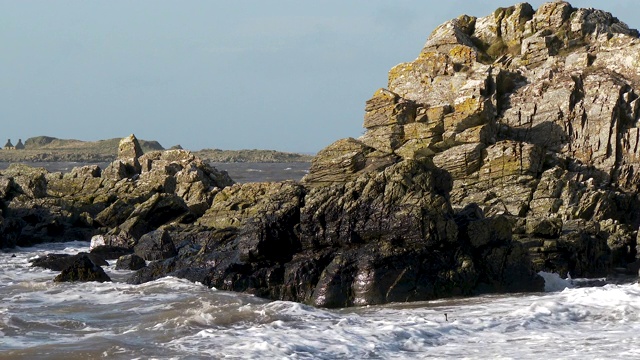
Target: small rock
pixel 109 252
pixel 130 262
pixel 58 262
pixel 82 269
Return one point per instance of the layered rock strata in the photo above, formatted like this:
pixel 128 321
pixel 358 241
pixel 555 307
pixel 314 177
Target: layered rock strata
pixel 534 113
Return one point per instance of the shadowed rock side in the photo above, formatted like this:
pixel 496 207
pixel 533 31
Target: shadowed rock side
pixel 509 146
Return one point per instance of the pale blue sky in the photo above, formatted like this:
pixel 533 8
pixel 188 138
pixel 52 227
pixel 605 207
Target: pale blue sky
pixel 285 75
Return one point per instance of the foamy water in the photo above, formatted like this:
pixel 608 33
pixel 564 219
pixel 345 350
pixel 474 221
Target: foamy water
pixel 173 318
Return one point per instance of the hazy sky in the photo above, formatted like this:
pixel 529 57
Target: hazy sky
pixel 285 75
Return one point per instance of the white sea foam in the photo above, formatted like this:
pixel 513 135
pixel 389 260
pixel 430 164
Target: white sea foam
pixel 174 318
pixel 553 282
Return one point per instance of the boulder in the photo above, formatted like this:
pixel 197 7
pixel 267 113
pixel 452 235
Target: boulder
pixel 82 269
pixel 156 245
pixel 129 149
pixel 109 252
pixel 26 181
pixel 59 262
pixel 235 205
pixel 130 262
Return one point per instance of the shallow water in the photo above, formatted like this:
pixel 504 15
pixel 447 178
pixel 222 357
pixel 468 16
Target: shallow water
pixel 239 172
pixel 173 318
pixel 255 172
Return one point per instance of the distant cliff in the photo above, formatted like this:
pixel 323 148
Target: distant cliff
pixel 51 149
pixel 46 148
pixel 267 156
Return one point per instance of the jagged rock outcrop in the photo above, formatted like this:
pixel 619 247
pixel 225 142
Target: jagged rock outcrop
pixel 534 113
pixel 119 204
pixel 509 146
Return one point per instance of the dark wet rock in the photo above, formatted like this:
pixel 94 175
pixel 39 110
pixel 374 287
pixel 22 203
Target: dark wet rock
pixel 386 236
pixel 108 252
pixel 82 269
pixel 155 245
pixel 59 262
pixel 130 262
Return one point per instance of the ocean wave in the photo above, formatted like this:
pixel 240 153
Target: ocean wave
pixel 176 318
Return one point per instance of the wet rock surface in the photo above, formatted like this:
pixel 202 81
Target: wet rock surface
pixel 82 269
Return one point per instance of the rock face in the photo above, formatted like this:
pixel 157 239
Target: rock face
pixel 509 146
pixel 534 114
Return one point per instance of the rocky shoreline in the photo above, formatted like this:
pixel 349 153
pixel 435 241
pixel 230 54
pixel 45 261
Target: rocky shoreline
pixel 50 149
pixel 508 147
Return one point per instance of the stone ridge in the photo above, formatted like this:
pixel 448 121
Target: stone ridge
pixel 534 113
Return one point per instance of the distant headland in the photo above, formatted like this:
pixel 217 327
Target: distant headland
pixel 51 149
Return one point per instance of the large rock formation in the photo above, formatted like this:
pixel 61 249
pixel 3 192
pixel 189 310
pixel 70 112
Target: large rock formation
pixel 534 113
pixel 509 146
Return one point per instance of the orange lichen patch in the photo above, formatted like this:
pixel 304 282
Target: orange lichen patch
pixel 482 133
pixel 468 113
pixel 462 54
pixel 429 63
pixel 399 71
pixel 470 105
pixel 437 113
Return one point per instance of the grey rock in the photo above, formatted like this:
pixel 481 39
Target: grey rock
pixel 82 269
pixel 130 262
pixel 156 245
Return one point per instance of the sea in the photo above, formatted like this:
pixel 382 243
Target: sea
pixel 172 318
pixel 239 172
